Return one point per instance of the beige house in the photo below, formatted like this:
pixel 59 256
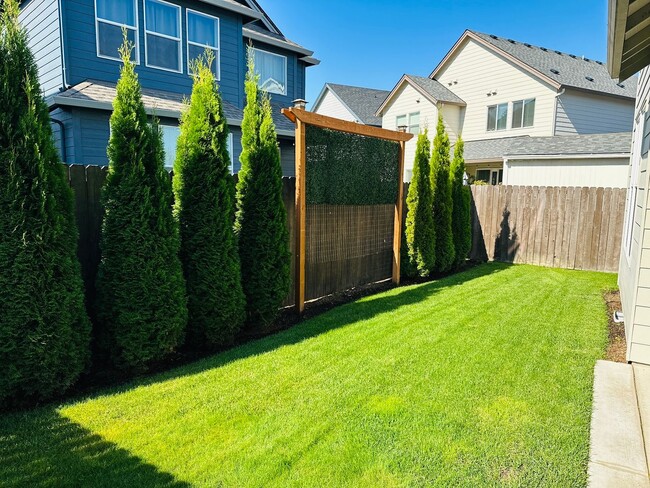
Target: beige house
pixel 490 88
pixel 629 52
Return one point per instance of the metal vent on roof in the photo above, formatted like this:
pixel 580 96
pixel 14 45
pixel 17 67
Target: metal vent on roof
pixel 544 49
pixel 512 42
pixel 558 52
pixel 573 56
pixel 555 72
pixel 589 78
pixel 599 62
pixel 620 84
pixel 527 45
pixel 493 36
pixel 585 59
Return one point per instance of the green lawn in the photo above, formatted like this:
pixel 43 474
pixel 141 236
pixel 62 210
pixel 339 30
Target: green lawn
pixel 479 379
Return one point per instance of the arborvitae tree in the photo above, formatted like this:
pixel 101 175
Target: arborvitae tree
pixel 261 220
pixel 442 206
pixel 44 330
pixel 420 230
pixel 205 206
pixel 142 308
pixel 461 220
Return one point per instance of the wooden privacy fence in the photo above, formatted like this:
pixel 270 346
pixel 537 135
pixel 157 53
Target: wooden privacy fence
pixel 574 228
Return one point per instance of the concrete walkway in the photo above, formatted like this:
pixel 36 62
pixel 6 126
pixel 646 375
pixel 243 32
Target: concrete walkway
pixel 621 416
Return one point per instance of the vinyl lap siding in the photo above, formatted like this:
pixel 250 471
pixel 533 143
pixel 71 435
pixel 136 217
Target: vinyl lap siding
pixel 41 20
pixel 476 71
pixel 582 113
pixel 634 272
pixel 332 107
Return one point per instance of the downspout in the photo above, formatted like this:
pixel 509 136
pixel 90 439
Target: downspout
pixel 64 153
pixel 557 96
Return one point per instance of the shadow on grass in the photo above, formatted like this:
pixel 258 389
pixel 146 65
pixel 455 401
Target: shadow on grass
pixel 341 316
pixel 44 449
pixel 41 448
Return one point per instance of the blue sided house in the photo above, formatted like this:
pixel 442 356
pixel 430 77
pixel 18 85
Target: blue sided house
pixel 75 43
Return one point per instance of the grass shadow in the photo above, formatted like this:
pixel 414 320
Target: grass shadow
pixel 44 449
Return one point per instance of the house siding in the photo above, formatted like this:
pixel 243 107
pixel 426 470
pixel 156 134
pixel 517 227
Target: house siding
pixel 606 173
pixel 409 100
pixel 634 271
pixel 41 19
pixel 65 136
pixel 331 106
pixel 476 71
pixel 582 113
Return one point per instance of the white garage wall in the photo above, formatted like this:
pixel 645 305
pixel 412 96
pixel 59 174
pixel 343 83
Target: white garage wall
pixel 606 173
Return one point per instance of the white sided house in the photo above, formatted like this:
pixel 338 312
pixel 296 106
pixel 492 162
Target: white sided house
pixel 629 52
pixel 504 89
pixel 352 103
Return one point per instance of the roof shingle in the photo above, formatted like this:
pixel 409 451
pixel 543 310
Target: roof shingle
pixel 364 102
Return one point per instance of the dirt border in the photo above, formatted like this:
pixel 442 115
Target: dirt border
pixel 616 345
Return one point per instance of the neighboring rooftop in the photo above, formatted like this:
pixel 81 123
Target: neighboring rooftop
pixel 565 69
pixel 436 89
pixel 519 146
pixel 362 102
pixel 100 95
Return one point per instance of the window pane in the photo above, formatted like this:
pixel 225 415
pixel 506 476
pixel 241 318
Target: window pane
pixel 529 113
pixel 401 121
pixel 517 109
pixel 162 18
pixel 110 40
pixel 202 29
pixel 483 175
pixel 502 116
pixel 414 123
pixel 492 118
pixel 170 138
pixel 163 53
pixel 120 11
pixel 196 51
pixel 271 69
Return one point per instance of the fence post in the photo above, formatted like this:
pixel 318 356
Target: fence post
pixel 301 210
pixel 399 205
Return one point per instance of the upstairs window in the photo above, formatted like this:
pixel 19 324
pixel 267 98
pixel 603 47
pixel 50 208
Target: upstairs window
pixel 110 17
pixel 202 34
pixel 272 69
pixel 410 121
pixel 162 26
pixel 497 117
pixel 523 113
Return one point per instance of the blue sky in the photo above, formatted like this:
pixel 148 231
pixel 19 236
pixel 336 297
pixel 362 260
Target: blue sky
pixel 374 43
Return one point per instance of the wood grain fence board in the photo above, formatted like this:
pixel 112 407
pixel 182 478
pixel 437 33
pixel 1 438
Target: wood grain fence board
pixel 596 231
pixel 614 237
pixel 559 226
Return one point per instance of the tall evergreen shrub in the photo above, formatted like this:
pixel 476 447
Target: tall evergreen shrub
pixel 461 221
pixel 44 330
pixel 442 203
pixel 142 307
pixel 420 230
pixel 205 206
pixel 261 220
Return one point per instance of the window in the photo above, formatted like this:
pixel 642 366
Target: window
pixel 170 135
pixel 272 69
pixel 110 17
pixel 483 175
pixel 523 113
pixel 229 146
pixel 162 38
pixel 410 121
pixel 490 176
pixel 497 117
pixel 202 34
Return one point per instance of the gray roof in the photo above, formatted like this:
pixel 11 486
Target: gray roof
pixel 100 95
pixel 572 71
pixel 576 145
pixel 436 89
pixel 489 149
pixel 613 143
pixel 363 102
pixel 270 37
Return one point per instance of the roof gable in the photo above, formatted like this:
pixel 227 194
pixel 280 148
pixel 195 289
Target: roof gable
pixel 432 90
pixel 556 68
pixel 362 103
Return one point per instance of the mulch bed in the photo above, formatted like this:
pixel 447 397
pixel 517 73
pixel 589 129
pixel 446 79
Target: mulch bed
pixel 617 347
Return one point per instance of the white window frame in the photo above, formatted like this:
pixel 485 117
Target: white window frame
pixel 410 124
pixel 164 36
pixel 286 71
pixel 633 189
pixel 496 120
pixel 117 24
pixel 523 108
pixel 231 152
pixel 188 42
pixel 408 121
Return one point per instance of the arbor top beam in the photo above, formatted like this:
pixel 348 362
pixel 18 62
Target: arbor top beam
pixel 325 122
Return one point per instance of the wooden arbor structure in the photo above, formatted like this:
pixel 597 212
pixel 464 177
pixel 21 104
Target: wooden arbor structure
pixel 302 118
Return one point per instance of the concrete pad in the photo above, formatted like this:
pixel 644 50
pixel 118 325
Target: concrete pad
pixel 617 455
pixel 642 385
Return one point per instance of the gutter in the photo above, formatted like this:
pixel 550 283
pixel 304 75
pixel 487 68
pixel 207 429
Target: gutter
pixel 64 152
pixel 526 157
